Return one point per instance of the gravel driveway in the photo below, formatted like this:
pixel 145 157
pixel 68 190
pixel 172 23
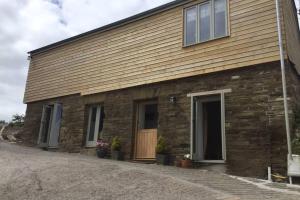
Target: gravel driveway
pixel 29 173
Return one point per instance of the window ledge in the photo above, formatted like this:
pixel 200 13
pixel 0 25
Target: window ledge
pixel 90 146
pixel 207 41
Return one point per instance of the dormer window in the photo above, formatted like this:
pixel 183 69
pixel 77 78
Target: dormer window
pixel 205 21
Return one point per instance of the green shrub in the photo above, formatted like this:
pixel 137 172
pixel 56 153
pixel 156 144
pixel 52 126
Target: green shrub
pixel 17 120
pixel 116 144
pixel 161 147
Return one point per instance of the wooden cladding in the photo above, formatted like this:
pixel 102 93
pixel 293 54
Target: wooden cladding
pixel 151 50
pixel 146 140
pixel 292 33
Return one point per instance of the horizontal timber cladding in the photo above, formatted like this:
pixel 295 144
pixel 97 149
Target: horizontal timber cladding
pixel 150 50
pixel 254 116
pixel 292 33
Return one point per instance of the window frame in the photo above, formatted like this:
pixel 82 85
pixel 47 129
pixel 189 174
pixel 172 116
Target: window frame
pixel 212 22
pixel 185 24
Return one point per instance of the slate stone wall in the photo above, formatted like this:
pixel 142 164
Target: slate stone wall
pixel 255 131
pixel 71 131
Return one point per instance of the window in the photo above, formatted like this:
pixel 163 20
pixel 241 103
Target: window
pixel 205 22
pixel 151 116
pixel 148 115
pixel 190 26
pixel 220 18
pixel 95 124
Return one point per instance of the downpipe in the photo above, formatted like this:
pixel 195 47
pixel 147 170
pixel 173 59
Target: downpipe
pixel 282 63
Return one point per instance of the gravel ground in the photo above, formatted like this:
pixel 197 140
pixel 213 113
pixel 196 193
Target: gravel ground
pixel 29 173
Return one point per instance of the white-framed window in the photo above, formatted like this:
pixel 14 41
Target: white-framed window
pixel 95 125
pixel 205 21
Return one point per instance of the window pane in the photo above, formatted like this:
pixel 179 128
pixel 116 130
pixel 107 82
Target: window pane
pixel 92 123
pixel 190 26
pixel 205 15
pixel 101 122
pixel 151 116
pixel 220 18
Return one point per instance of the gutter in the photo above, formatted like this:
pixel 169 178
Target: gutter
pixel 284 88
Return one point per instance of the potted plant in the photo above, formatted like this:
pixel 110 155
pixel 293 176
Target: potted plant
pixel 178 162
pixel 186 162
pixel 102 148
pixel 116 146
pixel 162 156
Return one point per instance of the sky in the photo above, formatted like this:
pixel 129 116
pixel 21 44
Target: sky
pixel 29 24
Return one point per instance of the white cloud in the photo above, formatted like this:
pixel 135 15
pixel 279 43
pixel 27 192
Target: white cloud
pixel 30 24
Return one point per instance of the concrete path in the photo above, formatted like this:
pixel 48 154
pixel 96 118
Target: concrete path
pixel 28 173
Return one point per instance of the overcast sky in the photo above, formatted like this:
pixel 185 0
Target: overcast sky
pixel 29 24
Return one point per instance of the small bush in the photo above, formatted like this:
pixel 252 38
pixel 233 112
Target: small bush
pixel 116 144
pixel 17 120
pixel 161 147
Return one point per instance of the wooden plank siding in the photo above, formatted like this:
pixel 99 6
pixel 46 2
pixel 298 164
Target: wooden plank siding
pixel 146 141
pixel 292 33
pixel 150 50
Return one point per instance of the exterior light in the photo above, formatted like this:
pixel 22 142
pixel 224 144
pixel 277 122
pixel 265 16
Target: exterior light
pixel 172 99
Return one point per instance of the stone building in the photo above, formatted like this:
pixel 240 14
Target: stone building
pixel 204 74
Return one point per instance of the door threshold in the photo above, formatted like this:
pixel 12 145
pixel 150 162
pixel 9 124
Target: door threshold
pixel 145 161
pixel 210 161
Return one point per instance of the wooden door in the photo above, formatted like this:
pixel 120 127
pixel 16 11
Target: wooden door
pixel 146 132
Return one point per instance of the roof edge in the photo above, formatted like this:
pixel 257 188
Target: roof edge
pixel 113 25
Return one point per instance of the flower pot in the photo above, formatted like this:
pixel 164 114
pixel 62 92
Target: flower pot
pixel 186 163
pixel 162 159
pixel 178 163
pixel 116 155
pixel 101 153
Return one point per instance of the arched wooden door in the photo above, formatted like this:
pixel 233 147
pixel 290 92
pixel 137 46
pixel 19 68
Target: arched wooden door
pixel 146 130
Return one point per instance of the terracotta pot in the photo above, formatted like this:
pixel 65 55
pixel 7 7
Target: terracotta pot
pixel 178 163
pixel 186 163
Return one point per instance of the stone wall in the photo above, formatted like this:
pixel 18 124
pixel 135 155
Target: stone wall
pixel 71 132
pixel 255 131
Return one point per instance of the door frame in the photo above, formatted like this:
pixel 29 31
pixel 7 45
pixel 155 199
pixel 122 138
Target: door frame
pixel 96 130
pixel 222 98
pixel 52 129
pixel 42 124
pixel 136 123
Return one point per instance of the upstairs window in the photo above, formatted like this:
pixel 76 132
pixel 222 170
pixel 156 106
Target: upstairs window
pixel 190 25
pixel 205 21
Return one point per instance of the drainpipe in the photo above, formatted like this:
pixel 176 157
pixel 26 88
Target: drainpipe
pixel 286 114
